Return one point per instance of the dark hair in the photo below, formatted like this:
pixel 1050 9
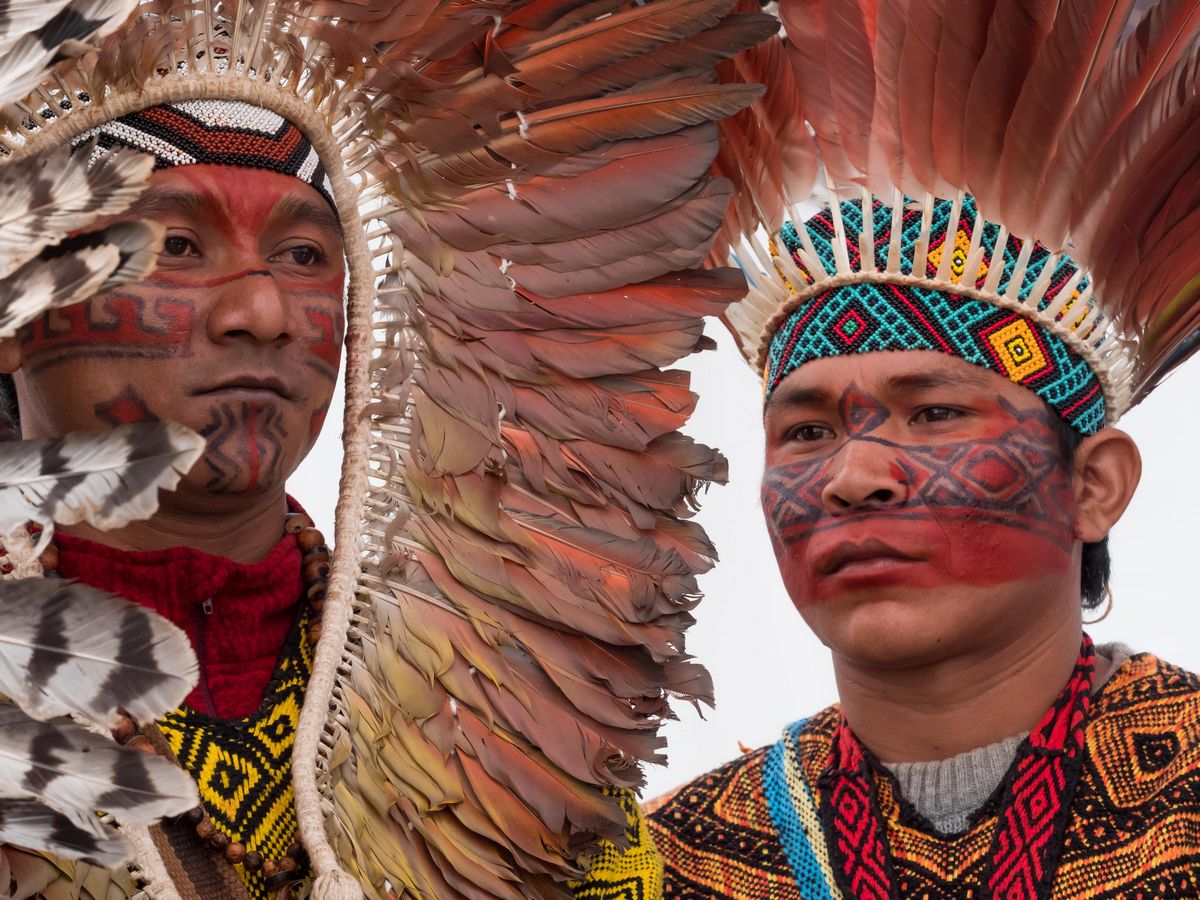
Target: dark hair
pixel 10 416
pixel 1097 564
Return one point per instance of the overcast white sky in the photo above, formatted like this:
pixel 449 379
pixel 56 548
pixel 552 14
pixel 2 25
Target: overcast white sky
pixel 768 669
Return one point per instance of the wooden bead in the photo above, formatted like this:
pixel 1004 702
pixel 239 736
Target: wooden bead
pixel 294 523
pixel 205 830
pixel 297 852
pixel 253 861
pixel 49 559
pixel 125 730
pixel 309 538
pixel 235 852
pixel 314 633
pixel 317 589
pixel 219 841
pixel 194 816
pixel 269 867
pixel 315 569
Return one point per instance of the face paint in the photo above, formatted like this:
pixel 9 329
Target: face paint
pixel 325 339
pixel 245 444
pixel 237 334
pixel 149 321
pixel 126 408
pixel 996 507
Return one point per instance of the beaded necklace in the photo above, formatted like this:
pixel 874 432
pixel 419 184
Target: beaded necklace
pixel 282 874
pixel 1031 817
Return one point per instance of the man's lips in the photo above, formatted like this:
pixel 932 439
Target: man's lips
pixel 848 552
pixel 262 383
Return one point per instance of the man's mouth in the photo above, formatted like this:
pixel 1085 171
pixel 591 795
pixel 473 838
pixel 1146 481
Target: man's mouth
pixel 849 554
pixel 249 384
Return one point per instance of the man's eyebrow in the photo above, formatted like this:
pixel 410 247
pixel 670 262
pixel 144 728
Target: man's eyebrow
pixel 158 201
pixel 317 214
pixel 924 381
pixel 800 396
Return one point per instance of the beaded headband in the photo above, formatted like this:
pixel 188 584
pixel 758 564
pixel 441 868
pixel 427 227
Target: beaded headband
pixel 218 132
pixel 946 244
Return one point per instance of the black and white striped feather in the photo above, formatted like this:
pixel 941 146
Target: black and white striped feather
pixel 27 823
pixel 76 269
pixel 34 34
pixel 77 772
pixel 69 649
pixel 52 195
pixel 107 479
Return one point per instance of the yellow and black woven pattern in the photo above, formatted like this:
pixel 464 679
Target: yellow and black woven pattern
pixel 634 873
pixel 243 767
pixel 1134 829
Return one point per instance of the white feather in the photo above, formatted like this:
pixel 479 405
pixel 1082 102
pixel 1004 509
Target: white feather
pixel 107 479
pixel 36 39
pixel 77 269
pixel 49 196
pixel 68 649
pixel 78 773
pixel 26 823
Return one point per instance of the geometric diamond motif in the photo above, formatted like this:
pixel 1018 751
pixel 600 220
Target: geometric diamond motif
pixel 1154 752
pixel 851 327
pixel 1017 350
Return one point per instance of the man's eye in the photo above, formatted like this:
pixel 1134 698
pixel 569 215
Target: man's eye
pixel 178 245
pixel 304 255
pixel 809 432
pixel 937 414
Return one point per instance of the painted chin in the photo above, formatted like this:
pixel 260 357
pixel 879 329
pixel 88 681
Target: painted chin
pixel 940 554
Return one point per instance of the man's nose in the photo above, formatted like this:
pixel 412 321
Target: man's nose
pixel 864 474
pixel 250 305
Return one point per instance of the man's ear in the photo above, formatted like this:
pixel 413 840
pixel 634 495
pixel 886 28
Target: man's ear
pixel 10 355
pixel 1108 468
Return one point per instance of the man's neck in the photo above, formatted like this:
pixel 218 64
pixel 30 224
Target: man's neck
pixel 244 531
pixel 960 703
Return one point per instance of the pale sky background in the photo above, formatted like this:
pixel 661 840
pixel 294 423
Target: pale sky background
pixel 767 667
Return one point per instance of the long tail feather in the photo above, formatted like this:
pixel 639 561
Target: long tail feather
pixel 25 823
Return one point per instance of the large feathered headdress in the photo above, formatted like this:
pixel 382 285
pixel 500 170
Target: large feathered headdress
pixel 524 190
pixel 1019 181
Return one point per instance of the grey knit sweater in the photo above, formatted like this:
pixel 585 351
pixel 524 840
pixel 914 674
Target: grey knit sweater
pixel 948 791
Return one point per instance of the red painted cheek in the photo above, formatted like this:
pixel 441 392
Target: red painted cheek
pixel 325 342
pixel 118 324
pixel 317 422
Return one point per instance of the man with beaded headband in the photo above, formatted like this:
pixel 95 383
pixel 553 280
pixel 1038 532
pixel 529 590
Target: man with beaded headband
pixel 456 701
pixel 944 355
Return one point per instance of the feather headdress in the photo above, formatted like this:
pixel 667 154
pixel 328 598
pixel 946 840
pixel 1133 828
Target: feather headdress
pixel 524 191
pixel 1068 126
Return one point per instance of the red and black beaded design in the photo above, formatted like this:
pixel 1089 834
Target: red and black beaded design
pixel 1031 818
pixel 216 132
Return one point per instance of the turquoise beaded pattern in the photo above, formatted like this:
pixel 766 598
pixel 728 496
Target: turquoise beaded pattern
pixel 873 316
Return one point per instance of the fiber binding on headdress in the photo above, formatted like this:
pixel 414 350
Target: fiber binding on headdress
pixel 215 132
pixel 524 190
pixel 1070 127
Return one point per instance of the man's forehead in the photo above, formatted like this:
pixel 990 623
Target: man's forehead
pixel 885 375
pixel 218 190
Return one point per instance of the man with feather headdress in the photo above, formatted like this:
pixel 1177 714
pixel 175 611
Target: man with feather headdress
pixel 456 701
pixel 1004 264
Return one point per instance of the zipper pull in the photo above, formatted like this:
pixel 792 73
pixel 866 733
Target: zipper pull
pixel 207 606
